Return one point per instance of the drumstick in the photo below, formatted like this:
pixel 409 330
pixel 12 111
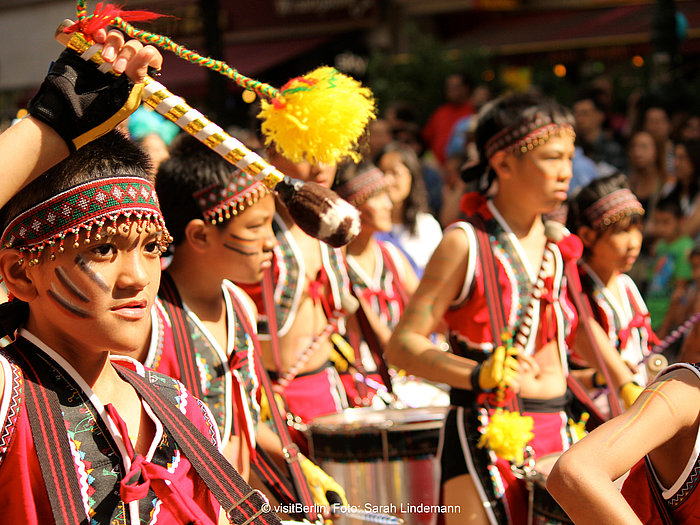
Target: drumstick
pixel 318 211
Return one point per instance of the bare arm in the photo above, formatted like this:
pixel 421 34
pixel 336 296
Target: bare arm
pixel 410 347
pixel 662 421
pixel 31 147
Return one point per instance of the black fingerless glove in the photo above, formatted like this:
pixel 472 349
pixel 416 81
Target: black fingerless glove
pixel 80 102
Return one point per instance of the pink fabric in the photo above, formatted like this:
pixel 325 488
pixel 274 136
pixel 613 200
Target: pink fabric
pixel 313 395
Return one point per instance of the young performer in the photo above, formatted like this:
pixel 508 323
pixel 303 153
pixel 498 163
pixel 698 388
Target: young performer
pixel 382 278
pixel 608 218
pixel 86 437
pixel 221 223
pixel 500 272
pixel 658 439
pixel 310 296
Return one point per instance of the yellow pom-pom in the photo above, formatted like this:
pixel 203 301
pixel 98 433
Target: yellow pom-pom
pixel 323 115
pixel 506 434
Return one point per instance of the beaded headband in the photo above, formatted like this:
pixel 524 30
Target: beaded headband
pixel 526 136
pixel 612 208
pixel 363 186
pixel 85 207
pixel 218 202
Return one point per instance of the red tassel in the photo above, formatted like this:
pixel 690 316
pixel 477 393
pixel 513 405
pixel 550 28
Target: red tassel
pixel 105 14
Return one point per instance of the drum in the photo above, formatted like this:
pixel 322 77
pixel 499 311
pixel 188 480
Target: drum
pixel 384 459
pixel 545 510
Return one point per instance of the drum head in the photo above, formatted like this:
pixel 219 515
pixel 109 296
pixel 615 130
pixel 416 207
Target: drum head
pixel 365 434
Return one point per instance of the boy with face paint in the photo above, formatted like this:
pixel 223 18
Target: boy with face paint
pixel 221 222
pixel 87 437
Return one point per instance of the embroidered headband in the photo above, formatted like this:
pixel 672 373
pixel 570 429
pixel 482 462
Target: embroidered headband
pixel 612 208
pixel 219 202
pixel 526 135
pixel 85 207
pixel 363 186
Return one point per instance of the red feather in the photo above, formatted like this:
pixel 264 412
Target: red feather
pixel 105 14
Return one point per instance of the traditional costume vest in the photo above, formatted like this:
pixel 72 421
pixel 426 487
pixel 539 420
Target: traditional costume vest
pixel 552 314
pixel 627 324
pixel 227 376
pixel 98 450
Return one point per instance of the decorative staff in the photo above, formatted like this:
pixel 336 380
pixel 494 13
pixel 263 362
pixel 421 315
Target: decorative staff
pixel 317 210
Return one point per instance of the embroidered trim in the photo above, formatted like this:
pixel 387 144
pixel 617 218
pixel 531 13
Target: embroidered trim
pixel 363 186
pixel 85 207
pixel 14 408
pixel 219 202
pixel 526 135
pixel 613 208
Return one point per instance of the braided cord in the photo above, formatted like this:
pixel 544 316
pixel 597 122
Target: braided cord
pixel 262 89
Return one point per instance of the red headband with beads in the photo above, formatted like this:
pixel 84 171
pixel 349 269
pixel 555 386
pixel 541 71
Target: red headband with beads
pixel 612 208
pixel 85 207
pixel 526 135
pixel 219 202
pixel 363 186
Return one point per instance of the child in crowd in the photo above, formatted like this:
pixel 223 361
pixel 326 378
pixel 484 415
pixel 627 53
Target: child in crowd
pixel 381 276
pixel 221 223
pixel 670 271
pixel 607 217
pixel 87 437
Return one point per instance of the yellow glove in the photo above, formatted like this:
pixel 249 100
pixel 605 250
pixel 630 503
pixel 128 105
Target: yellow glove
pixel 629 392
pixel 320 482
pixel 580 428
pixel 500 369
pixel 343 355
pixel 265 413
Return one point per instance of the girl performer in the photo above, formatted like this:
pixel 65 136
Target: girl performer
pixel 607 217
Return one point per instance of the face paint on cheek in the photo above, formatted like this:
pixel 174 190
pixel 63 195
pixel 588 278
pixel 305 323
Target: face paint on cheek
pixel 85 266
pixel 239 245
pixel 65 303
pixel 70 285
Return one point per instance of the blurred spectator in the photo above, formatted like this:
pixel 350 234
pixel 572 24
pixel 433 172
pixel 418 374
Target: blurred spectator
pixel 379 134
pixel 454 188
pixel 401 114
pixel 617 122
pixel 409 135
pixel 648 177
pixel 439 126
pixel 689 128
pixel 592 132
pixel 687 305
pixel 670 271
pixel 415 231
pixel 657 121
pixel 686 189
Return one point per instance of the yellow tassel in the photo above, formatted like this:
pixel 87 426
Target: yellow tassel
pixel 323 115
pixel 506 435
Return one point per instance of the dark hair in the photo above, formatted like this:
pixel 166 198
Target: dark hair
pixel 417 200
pixel 504 113
pixel 670 204
pixel 111 155
pixel 692 148
pixel 191 167
pixel 594 95
pixel 589 195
